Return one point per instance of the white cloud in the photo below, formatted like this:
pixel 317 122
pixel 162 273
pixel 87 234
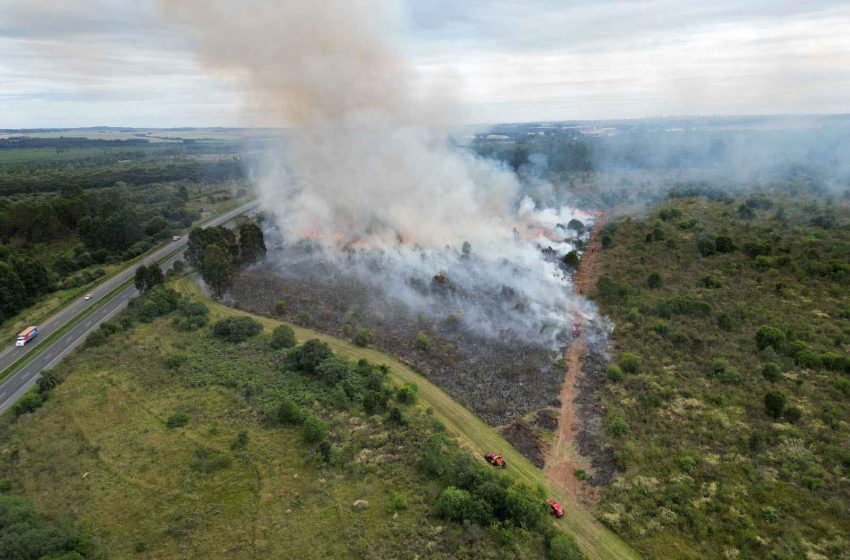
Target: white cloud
pixel 117 62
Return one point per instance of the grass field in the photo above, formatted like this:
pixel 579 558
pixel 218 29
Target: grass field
pixel 224 482
pixel 595 540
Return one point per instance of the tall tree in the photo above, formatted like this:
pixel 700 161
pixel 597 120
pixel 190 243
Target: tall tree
pixel 217 269
pixel 12 291
pixel 252 245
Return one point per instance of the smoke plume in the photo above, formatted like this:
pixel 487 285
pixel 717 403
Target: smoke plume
pixel 367 173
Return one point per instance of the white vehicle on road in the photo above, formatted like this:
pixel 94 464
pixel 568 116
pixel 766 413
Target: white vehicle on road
pixel 176 238
pixel 89 296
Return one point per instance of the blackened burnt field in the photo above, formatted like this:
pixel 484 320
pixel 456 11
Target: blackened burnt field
pixel 499 377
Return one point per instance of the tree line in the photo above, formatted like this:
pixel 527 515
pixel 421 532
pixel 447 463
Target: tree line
pixel 216 252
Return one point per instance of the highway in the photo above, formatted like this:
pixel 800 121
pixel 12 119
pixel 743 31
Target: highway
pixel 17 384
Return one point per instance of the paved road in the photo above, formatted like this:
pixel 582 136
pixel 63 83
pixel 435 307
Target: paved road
pixel 18 384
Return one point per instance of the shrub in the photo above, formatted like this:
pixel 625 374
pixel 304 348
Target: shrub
pixel 793 414
pixel 177 420
pixel 524 506
pixel 661 327
pixel 283 337
pixel 209 461
pixel 241 441
pixel 615 374
pixel 280 307
pixel 630 363
pixel 333 370
pixel 96 338
pixel 808 358
pixel 396 417
pixel 194 315
pixel 726 322
pixel 706 246
pixel 633 315
pixel 459 505
pixel 363 337
pixel 47 381
pixel 307 357
pixel 237 329
pixel 289 413
pixel 398 503
pixel 571 259
pixel 611 291
pixel 407 393
pixel 836 362
pixel 731 376
pixel 668 214
pixel 617 425
pixel 30 402
pixel 374 402
pixel 774 403
pixel 771 372
pixel 422 342
pixel 710 282
pixel 770 337
pixel 314 429
pixel 724 244
pixel 563 547
pixel 683 305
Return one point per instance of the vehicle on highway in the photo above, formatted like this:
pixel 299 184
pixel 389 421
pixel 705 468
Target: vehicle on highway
pixel 26 335
pixel 176 238
pixel 89 296
pixel 557 510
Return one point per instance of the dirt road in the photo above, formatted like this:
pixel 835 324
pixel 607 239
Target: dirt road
pixel 563 461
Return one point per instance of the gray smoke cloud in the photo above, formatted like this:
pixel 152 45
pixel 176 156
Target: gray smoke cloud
pixel 367 172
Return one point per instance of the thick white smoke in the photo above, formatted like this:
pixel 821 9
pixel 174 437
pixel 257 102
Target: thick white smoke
pixel 365 167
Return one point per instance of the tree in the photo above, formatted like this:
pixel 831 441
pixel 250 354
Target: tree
pixel 774 403
pixel 183 193
pixel 571 259
pixel 13 293
pixel 283 337
pixel 201 238
pixel 217 270
pixel 307 357
pixel 252 245
pixel 148 276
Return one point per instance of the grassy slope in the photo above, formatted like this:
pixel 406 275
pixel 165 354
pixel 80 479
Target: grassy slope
pixel 99 450
pixel 708 472
pixel 596 541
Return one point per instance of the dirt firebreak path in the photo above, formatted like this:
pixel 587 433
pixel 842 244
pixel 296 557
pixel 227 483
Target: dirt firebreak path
pixel 563 460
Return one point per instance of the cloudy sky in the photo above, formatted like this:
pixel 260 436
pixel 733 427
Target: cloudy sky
pixel 117 62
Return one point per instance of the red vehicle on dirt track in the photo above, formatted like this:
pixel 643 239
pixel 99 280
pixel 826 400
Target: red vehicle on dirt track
pixel 557 510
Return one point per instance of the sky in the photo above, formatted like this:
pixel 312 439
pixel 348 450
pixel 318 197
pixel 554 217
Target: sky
pixel 68 63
